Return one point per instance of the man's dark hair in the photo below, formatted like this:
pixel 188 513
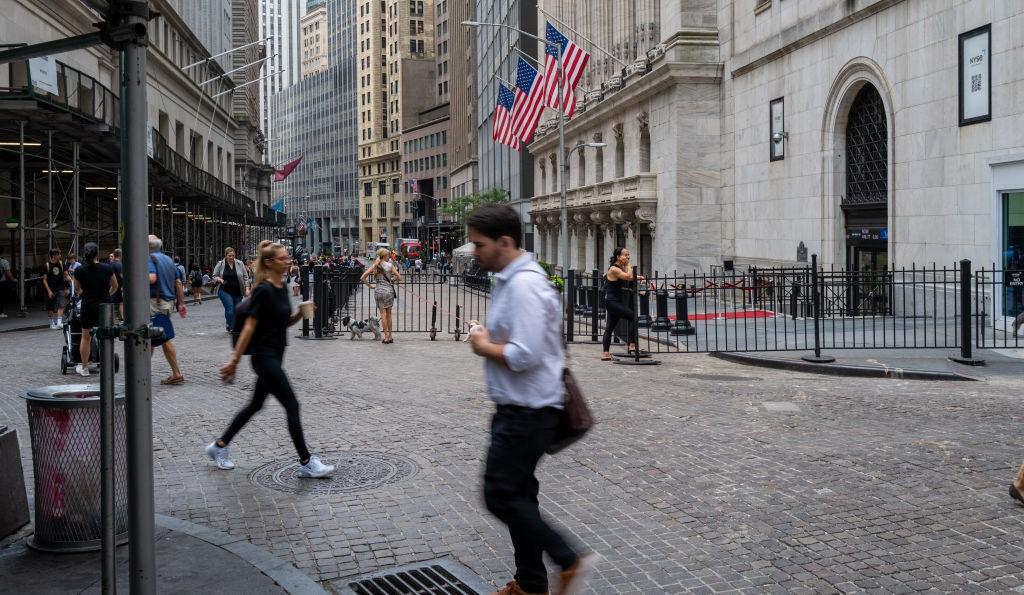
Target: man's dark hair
pixel 54 252
pixel 495 221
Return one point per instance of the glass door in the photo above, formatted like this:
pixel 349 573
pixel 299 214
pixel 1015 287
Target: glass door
pixel 1013 254
pixel 869 272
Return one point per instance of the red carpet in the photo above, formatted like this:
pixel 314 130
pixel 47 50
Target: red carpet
pixel 730 315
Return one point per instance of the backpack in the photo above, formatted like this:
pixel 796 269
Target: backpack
pixel 238 321
pixel 196 278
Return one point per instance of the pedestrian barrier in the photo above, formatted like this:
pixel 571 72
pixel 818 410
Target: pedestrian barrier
pixel 433 302
pixel 810 308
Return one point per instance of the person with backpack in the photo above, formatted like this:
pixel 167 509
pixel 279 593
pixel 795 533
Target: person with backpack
pixel 233 278
pixel 195 279
pixel 267 314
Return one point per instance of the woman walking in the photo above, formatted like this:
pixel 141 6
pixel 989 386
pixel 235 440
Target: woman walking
pixel 95 283
pixel 269 314
pixel 386 275
pixel 619 273
pixel 233 278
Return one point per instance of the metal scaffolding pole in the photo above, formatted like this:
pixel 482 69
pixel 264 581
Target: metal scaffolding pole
pixel 74 198
pixel 188 242
pixel 21 222
pixel 135 246
pixel 49 190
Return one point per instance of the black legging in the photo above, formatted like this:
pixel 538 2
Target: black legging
pixel 615 312
pixel 271 379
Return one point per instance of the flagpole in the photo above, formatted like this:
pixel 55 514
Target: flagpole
pixel 563 207
pixel 585 38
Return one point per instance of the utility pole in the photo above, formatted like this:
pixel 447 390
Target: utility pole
pixel 135 246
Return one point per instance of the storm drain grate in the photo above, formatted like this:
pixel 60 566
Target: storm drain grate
pixel 432 578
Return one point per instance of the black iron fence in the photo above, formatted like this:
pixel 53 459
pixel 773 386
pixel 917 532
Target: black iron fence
pixel 432 301
pixel 759 309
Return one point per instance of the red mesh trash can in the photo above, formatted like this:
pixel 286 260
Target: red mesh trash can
pixel 64 422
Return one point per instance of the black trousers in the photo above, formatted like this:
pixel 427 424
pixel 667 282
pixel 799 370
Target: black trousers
pixel 519 437
pixel 614 313
pixel 270 378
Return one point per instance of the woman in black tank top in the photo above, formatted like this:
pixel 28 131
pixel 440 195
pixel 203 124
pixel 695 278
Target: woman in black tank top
pixel 615 303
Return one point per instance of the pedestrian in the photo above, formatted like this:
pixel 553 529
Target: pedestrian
pixel 523 362
pixel 195 278
pixel 55 281
pixel 619 273
pixel 166 294
pixel 180 267
pixel 293 278
pixel 385 275
pixel 419 264
pixel 6 282
pixel 268 316
pixel 118 267
pixel 233 278
pixel 95 284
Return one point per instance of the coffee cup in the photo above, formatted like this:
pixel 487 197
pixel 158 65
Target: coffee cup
pixel 307 309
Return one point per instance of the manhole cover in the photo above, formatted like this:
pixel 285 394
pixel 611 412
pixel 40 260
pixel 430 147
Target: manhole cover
pixel 355 471
pixel 428 578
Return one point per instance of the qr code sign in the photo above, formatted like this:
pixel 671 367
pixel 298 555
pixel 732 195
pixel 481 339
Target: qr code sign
pixel 975 83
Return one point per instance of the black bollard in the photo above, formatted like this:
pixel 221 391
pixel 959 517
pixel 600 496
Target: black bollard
pixel 458 322
pixel 661 322
pixel 966 356
pixel 595 304
pixel 682 325
pixel 643 320
pixel 433 321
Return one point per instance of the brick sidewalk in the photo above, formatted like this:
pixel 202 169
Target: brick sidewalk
pixel 703 476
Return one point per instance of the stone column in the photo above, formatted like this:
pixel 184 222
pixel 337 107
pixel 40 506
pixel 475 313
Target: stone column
pixel 590 254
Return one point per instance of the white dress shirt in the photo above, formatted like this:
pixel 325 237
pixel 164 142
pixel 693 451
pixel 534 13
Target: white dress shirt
pixel 525 316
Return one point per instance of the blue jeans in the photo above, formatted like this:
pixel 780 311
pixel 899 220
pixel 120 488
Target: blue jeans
pixel 229 301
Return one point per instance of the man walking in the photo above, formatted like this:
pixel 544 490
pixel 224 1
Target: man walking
pixel 165 295
pixel 55 281
pixel 524 358
pixel 6 282
pixel 118 267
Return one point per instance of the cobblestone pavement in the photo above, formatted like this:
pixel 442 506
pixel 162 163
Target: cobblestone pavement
pixel 702 476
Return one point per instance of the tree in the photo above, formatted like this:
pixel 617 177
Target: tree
pixel 461 207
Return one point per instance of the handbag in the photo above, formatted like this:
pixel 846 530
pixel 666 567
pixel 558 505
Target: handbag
pixel 576 418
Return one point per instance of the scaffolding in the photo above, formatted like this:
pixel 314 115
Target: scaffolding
pixel 60 156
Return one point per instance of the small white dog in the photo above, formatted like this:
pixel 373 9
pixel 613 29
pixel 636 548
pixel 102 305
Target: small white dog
pixel 473 325
pixel 356 328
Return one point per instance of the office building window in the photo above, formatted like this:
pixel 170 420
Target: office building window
pixel 367 189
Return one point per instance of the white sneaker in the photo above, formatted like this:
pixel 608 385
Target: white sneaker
pixel 53 324
pixel 3 315
pixel 82 370
pixel 220 455
pixel 315 469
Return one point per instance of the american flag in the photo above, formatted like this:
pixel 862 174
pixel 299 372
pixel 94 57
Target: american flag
pixel 529 94
pixel 503 131
pixel 574 60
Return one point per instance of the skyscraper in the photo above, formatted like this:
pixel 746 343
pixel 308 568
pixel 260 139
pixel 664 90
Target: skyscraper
pixel 396 72
pixel 314 120
pixel 462 153
pixel 280 21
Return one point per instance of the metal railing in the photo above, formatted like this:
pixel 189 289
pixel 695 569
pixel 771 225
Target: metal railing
pixel 76 92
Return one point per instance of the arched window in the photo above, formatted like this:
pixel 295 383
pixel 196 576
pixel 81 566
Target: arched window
pixel 582 174
pixel 867 151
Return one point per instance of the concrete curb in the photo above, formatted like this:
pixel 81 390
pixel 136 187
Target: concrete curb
pixel 290 578
pixel 838 369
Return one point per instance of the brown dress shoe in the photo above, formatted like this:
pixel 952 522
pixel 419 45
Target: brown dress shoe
pixel 574 578
pixel 513 588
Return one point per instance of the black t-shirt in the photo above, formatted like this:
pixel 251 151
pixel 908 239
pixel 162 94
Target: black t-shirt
pixel 231 283
pixel 271 307
pixel 94 280
pixel 55 276
pixel 118 268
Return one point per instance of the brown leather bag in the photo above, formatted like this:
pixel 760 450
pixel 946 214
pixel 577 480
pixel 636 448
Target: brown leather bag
pixel 576 416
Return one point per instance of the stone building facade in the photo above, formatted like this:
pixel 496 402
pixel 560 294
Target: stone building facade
pixel 870 168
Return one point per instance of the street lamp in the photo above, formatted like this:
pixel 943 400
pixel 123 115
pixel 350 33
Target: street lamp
pixel 561 134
